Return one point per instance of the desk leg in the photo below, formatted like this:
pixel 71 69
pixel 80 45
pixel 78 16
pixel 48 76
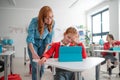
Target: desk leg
pixel 78 76
pixel 119 65
pixel 6 67
pixel 38 72
pixel 97 76
pixel 24 55
pixel 11 64
pixel 53 70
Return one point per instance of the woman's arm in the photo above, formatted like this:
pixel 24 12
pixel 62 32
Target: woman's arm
pixel 34 54
pixel 30 38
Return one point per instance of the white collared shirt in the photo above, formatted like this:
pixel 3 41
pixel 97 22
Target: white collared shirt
pixel 62 44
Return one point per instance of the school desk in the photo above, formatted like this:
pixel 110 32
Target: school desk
pixel 6 55
pixel 76 67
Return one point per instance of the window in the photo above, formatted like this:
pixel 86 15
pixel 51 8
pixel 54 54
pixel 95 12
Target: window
pixel 100 25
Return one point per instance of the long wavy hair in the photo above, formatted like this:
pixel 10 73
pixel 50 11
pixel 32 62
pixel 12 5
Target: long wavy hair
pixel 43 13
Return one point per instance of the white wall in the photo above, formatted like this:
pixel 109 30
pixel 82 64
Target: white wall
pixel 113 11
pixel 13 24
pixel 119 18
pixel 66 17
pixel 114 26
pixel 14 21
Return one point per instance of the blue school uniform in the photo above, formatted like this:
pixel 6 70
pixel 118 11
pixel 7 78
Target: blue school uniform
pixel 39 42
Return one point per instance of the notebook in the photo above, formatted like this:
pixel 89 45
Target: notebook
pixel 70 53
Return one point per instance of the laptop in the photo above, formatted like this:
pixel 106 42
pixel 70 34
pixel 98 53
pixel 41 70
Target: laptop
pixel 70 54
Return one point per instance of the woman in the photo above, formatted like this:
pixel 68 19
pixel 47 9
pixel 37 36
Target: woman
pixel 40 33
pixel 110 57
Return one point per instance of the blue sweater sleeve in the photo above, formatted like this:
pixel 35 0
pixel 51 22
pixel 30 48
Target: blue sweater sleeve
pixel 31 31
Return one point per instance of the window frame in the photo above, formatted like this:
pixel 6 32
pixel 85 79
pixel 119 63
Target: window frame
pixel 101 34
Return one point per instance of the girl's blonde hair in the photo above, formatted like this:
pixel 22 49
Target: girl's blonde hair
pixel 72 30
pixel 43 13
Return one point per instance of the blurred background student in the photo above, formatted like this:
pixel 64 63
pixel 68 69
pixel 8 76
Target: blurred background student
pixel 110 57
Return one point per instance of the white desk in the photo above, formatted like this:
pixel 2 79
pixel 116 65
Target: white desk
pixel 96 48
pixel 76 67
pixel 6 54
pixel 110 51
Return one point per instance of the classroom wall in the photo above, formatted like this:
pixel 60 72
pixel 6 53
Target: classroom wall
pixel 114 19
pixel 14 23
pixel 119 18
pixel 113 11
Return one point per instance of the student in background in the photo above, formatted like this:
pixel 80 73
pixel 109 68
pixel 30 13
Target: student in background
pixel 110 57
pixel 70 39
pixel 40 33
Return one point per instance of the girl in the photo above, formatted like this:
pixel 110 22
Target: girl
pixel 70 36
pixel 110 57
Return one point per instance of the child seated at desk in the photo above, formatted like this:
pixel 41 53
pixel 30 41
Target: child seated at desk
pixel 70 39
pixel 110 57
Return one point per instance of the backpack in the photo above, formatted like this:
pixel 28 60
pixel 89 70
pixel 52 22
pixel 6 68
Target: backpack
pixel 12 77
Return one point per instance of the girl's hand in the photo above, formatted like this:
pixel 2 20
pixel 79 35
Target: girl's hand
pixel 114 41
pixel 42 60
pixel 75 40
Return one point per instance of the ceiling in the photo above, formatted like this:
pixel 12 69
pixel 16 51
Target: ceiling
pixel 36 4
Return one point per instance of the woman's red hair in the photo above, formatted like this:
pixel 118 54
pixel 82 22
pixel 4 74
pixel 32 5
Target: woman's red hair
pixel 43 13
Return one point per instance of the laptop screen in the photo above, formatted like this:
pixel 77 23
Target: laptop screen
pixel 70 53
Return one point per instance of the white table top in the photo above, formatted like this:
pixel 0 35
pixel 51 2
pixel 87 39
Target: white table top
pixel 7 53
pixel 106 51
pixel 75 66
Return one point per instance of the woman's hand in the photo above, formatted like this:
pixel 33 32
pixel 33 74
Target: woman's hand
pixel 42 60
pixel 35 56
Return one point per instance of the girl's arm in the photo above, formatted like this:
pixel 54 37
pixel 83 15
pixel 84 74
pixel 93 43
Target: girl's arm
pixel 116 43
pixel 47 54
pixel 84 53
